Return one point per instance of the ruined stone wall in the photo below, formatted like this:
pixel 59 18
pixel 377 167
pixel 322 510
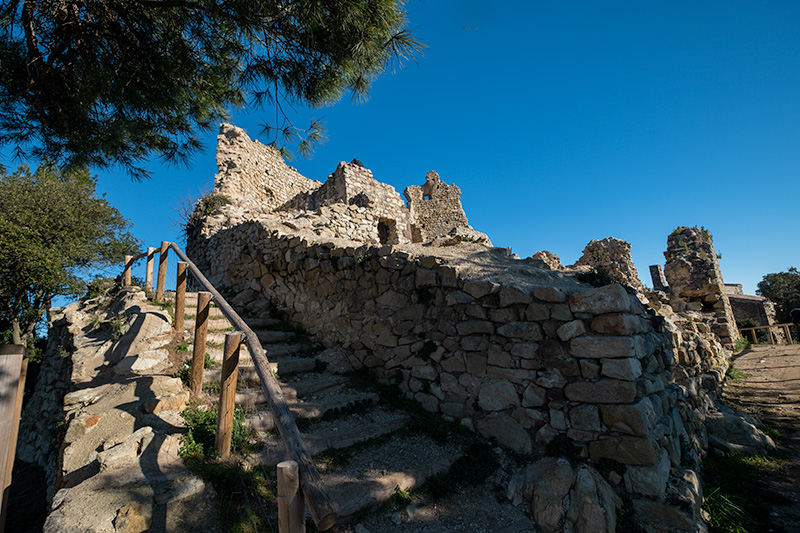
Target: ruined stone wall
pixel 254 173
pixel 519 362
pixel 755 308
pixel 352 184
pixel 613 256
pixel 435 208
pixel 695 280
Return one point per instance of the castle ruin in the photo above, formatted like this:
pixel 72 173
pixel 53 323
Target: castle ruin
pixel 520 351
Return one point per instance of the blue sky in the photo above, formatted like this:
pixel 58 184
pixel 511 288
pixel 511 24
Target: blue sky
pixel 564 122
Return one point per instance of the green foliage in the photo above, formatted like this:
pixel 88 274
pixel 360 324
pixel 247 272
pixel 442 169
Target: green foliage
pixel 783 288
pixel 734 498
pixel 198 443
pixel 741 344
pixel 111 82
pixel 53 229
pixel 736 375
pixel 213 201
pixel 246 496
pixel 597 277
pixel 119 326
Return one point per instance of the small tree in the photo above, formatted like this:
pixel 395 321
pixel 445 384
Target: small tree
pixel 783 288
pixel 53 230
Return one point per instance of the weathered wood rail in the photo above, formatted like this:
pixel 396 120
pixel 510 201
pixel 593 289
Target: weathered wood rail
pixel 323 511
pixel 772 338
pixel 13 367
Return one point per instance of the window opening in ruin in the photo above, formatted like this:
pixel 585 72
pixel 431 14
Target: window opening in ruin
pixel 426 196
pixel 387 231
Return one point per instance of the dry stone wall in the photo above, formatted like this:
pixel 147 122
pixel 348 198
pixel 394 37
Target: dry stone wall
pixel 695 281
pixel 520 362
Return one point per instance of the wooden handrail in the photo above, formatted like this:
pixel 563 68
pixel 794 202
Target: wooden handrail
pixel 323 510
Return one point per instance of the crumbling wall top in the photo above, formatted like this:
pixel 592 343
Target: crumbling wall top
pixel 435 208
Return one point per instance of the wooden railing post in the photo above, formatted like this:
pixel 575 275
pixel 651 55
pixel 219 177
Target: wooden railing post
pixel 162 269
pixel 199 351
pixel 127 272
pixel 227 393
pixel 291 506
pixel 180 296
pixel 148 276
pixel 13 367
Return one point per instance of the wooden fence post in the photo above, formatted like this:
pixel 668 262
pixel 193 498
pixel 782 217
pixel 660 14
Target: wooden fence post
pixel 180 296
pixel 162 269
pixel 227 393
pixel 199 351
pixel 148 276
pixel 127 272
pixel 291 506
pixel 13 367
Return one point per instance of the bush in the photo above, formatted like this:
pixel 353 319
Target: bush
pixel 198 443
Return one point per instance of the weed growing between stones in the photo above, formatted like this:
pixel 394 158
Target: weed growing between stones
pixel 734 498
pixel 246 496
pixel 198 443
pixel 736 375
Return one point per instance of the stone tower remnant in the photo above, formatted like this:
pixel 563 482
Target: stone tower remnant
pixel 435 208
pixel 614 256
pixel 695 280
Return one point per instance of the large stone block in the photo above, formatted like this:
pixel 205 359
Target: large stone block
pixel 506 431
pixel 626 368
pixel 597 347
pixel 619 324
pixel 525 331
pixel 626 449
pixel 648 480
pixel 475 327
pixel 602 300
pixel 497 395
pixel 636 419
pixel 601 391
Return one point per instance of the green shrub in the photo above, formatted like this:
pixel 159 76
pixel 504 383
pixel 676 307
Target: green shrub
pixel 198 443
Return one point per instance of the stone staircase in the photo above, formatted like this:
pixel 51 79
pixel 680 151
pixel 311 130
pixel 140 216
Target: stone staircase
pixel 363 448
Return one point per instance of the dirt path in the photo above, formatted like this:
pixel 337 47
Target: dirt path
pixel 770 390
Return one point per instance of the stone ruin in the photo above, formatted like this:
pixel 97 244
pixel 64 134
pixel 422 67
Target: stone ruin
pixel 519 351
pixel 349 204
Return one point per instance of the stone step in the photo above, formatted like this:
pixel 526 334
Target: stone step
pixel 372 474
pixel 247 372
pixel 331 434
pixel 261 323
pixel 299 388
pixel 274 352
pixel 311 406
pixel 267 336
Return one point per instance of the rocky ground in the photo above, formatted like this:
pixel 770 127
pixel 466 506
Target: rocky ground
pixel 770 389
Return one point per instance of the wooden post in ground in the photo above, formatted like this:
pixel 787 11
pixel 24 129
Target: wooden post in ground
pixel 291 507
pixel 788 333
pixel 148 276
pixel 227 393
pixel 771 336
pixel 127 272
pixel 13 367
pixel 162 269
pixel 199 351
pixel 180 296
